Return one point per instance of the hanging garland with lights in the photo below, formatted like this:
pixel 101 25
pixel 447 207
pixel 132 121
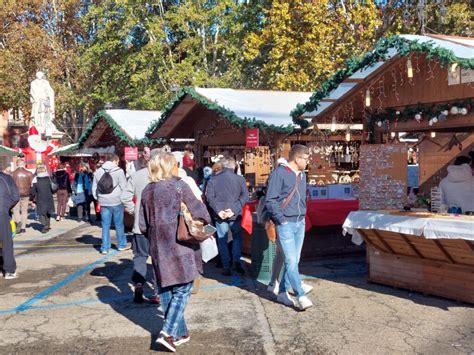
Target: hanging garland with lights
pixel 404 48
pixel 431 114
pixel 230 116
pixel 118 132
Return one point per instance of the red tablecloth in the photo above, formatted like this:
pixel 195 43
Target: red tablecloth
pixel 318 212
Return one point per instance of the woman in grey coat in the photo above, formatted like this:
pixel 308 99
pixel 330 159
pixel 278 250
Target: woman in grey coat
pixel 176 264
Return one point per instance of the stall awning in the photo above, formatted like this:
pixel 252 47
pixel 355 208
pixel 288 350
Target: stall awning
pixel 73 150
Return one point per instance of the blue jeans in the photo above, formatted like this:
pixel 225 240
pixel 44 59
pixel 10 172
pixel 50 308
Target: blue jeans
pixel 107 212
pixel 290 238
pixel 222 230
pixel 173 303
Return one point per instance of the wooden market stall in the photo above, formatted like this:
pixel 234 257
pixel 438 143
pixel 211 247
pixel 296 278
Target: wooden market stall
pixel 422 87
pixel 220 122
pixel 6 157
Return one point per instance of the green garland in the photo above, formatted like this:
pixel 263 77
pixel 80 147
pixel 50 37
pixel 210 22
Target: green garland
pixel 427 113
pixel 403 46
pixel 230 116
pixel 117 130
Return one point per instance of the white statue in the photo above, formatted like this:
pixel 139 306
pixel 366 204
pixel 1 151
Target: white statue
pixel 42 108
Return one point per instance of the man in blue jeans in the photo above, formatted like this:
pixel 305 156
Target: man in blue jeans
pixel 107 186
pixel 286 204
pixel 227 194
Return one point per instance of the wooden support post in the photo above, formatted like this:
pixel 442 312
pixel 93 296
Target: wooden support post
pixel 412 247
pixel 385 244
pixel 469 244
pixel 445 253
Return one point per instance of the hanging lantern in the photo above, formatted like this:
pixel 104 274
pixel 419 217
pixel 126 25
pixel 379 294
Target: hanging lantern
pixel 433 134
pixel 418 117
pixel 333 124
pixel 348 135
pixel 367 98
pixel 409 68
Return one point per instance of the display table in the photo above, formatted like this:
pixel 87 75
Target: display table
pixel 325 239
pixel 318 212
pixel 426 252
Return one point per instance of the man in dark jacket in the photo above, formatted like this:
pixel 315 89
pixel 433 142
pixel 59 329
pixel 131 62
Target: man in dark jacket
pixel 23 179
pixel 289 182
pixel 227 194
pixel 9 197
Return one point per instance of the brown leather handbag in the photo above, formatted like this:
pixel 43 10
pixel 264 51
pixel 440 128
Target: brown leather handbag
pixel 270 227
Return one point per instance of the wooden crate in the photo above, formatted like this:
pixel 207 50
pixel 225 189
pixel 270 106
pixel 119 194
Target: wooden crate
pixel 441 267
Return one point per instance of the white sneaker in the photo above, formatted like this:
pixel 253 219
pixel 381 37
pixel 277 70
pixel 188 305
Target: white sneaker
pixel 11 275
pixel 286 299
pixel 304 303
pixel 274 288
pixel 306 288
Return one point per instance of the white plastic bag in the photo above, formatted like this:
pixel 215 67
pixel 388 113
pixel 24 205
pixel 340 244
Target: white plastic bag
pixel 70 202
pixel 209 249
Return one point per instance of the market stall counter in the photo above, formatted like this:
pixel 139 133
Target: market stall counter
pixel 421 251
pixel 324 219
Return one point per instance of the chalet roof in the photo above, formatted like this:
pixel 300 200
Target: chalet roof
pixel 129 126
pixel 447 49
pixel 245 108
pixel 9 152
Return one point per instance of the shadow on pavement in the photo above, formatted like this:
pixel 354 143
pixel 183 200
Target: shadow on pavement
pixel 119 296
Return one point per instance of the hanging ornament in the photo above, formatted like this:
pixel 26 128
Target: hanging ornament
pixel 367 98
pixel 418 117
pixel 442 116
pixel 468 107
pixel 454 110
pixel 454 66
pixel 434 119
pixel 379 123
pixel 464 111
pixel 445 112
pixel 333 124
pixel 348 135
pixel 430 122
pixel 392 134
pixel 409 68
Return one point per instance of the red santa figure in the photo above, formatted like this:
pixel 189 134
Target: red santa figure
pixel 38 150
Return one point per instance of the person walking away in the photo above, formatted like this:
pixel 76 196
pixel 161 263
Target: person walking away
pixel 107 186
pixel 287 187
pixel 23 179
pixel 176 264
pixel 9 197
pixel 64 189
pixel 83 193
pixel 226 195
pixel 140 244
pixel 42 196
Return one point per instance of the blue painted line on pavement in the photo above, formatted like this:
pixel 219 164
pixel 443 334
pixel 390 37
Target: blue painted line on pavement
pixel 24 306
pixel 51 234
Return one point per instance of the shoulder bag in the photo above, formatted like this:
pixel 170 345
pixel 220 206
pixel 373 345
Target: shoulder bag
pixel 189 229
pixel 270 227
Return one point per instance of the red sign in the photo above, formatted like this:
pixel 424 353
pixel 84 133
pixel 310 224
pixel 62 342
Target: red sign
pixel 251 137
pixel 131 153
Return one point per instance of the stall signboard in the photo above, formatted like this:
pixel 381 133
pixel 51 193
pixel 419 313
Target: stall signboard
pixel 131 153
pixel 251 137
pixel 383 176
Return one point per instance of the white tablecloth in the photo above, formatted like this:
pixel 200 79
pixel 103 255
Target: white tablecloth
pixel 430 228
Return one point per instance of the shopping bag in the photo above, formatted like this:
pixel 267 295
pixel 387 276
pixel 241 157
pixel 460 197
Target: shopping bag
pixel 209 249
pixel 70 202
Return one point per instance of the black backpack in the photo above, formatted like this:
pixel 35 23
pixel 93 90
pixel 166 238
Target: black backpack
pixel 105 185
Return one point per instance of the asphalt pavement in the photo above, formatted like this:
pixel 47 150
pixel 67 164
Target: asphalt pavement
pixel 71 299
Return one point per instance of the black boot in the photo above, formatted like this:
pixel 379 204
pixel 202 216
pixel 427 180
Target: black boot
pixel 226 272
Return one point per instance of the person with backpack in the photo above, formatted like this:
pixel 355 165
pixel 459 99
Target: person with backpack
pixel 286 205
pixel 107 186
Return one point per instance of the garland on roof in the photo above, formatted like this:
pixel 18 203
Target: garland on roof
pixel 118 132
pixel 230 116
pixel 403 46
